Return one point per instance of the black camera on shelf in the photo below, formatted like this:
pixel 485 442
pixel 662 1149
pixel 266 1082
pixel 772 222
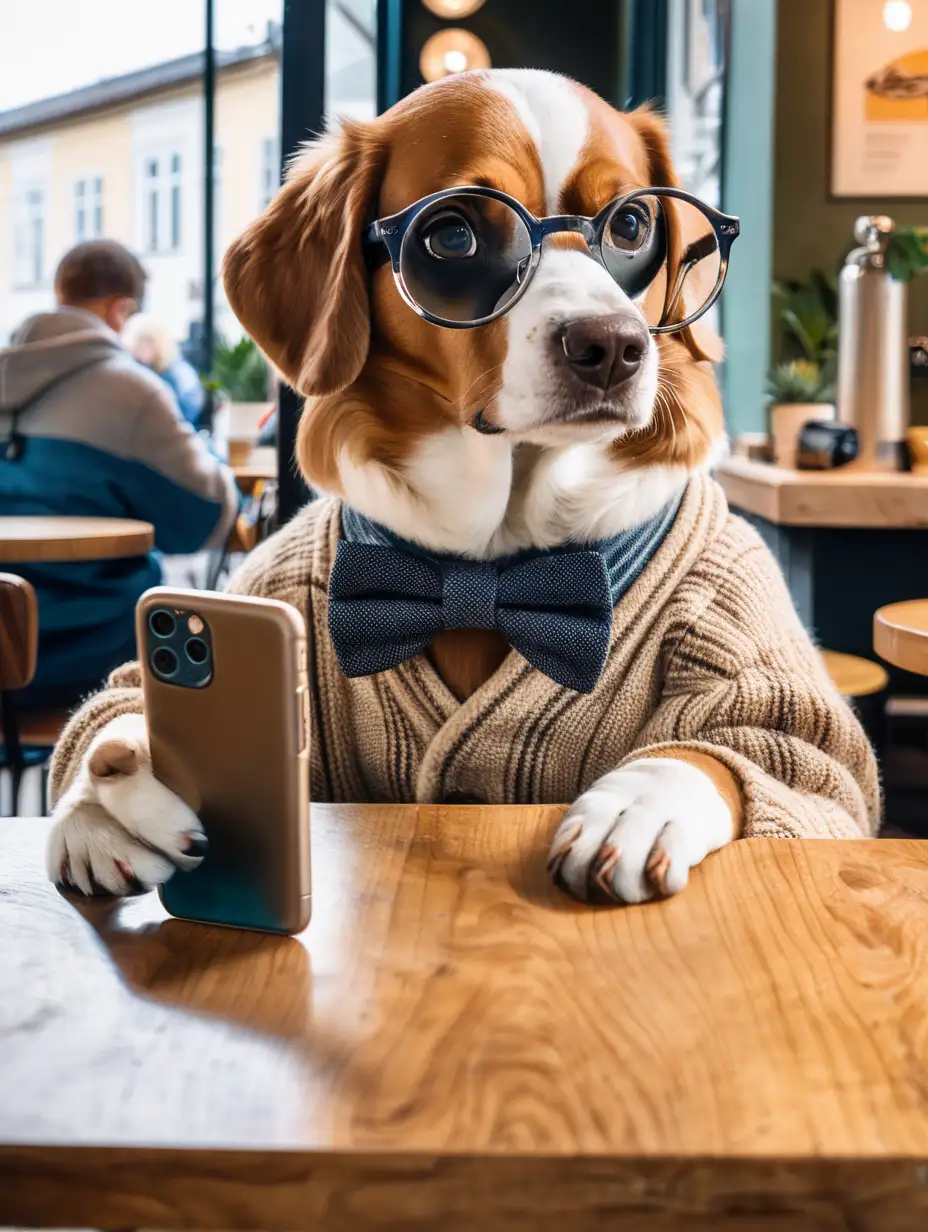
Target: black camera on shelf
pixel 918 356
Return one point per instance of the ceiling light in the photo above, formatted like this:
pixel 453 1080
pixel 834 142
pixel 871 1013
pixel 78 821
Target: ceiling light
pixel 452 51
pixel 897 15
pixel 453 10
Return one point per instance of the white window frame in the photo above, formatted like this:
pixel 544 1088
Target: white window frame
pixel 31 214
pixel 88 208
pixel 269 171
pixel 176 201
pixel 161 189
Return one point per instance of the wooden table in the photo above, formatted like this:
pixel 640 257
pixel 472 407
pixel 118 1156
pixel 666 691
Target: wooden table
pixel 847 497
pixel 46 539
pixel 260 467
pixel 454 1044
pixel 900 635
pixel 846 541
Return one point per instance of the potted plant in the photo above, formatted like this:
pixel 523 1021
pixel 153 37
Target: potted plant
pixel 907 253
pixel 799 390
pixel 242 375
pixel 801 387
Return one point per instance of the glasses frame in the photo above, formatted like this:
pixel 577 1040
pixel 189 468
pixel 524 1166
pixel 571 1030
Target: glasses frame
pixel 393 231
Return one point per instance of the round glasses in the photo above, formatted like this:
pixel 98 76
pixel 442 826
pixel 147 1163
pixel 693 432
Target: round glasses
pixel 464 257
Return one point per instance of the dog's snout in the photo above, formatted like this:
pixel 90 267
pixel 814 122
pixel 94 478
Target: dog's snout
pixel 605 351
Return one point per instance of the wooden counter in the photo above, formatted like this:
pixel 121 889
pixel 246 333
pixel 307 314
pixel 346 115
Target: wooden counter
pixel 455 1044
pixel 840 498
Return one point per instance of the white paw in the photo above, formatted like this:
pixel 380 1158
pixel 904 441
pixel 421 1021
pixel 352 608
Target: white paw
pixel 117 829
pixel 638 831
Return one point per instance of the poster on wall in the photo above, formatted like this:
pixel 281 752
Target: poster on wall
pixel 879 105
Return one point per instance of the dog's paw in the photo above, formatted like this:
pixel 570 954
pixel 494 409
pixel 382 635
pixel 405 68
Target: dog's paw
pixel 638 831
pixel 118 830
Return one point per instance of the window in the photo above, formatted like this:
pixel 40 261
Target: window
pixel 162 202
pixel 152 196
pixel 270 171
pixel 88 209
pixel 175 202
pixel 97 208
pixel 30 238
pixel 80 214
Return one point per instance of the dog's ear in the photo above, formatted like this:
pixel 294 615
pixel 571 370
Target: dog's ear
pixel 700 339
pixel 296 279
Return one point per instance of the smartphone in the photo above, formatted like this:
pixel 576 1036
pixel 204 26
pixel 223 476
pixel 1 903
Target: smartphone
pixel 225 687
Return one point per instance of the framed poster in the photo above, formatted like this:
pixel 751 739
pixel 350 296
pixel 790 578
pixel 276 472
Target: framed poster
pixel 879 98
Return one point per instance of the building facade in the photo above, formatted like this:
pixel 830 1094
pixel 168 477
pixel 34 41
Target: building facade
pixel 123 159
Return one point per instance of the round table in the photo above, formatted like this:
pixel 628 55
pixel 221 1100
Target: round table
pixel 44 539
pixel 900 635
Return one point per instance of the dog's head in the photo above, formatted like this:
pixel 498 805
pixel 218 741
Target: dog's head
pixel 572 361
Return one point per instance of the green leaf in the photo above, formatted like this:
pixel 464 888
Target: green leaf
pixel 907 253
pixel 241 370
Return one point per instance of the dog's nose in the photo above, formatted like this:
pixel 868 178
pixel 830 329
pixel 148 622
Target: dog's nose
pixel 605 351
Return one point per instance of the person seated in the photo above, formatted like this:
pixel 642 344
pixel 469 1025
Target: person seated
pixel 151 344
pixel 85 430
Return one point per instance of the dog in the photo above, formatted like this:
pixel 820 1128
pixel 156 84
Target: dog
pixel 500 367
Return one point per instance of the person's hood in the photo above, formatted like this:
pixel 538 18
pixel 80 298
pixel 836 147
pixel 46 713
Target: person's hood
pixel 50 346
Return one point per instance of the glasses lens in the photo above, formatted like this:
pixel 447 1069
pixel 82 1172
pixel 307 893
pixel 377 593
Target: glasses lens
pixel 465 258
pixel 664 253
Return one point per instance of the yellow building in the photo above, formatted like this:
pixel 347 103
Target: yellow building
pixel 123 158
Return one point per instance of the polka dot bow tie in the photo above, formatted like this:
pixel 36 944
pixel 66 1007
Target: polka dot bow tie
pixel 555 609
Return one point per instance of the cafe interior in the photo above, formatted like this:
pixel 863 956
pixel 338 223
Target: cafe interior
pixel 168 127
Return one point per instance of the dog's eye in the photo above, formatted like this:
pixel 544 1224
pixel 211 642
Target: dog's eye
pixel 629 228
pixel 449 237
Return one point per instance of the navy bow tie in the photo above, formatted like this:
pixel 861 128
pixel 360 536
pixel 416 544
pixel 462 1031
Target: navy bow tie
pixel 388 597
pixel 385 605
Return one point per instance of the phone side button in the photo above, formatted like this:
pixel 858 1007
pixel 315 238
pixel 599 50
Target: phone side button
pixel 302 703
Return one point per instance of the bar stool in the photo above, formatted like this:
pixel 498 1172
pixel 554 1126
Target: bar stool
pixel 853 676
pixel 900 635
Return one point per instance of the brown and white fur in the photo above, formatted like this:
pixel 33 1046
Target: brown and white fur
pixel 391 401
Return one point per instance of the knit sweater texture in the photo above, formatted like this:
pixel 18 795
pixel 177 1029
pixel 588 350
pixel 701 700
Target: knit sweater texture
pixel 707 652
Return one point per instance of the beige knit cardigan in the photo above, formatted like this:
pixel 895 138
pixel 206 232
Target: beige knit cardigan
pixel 707 652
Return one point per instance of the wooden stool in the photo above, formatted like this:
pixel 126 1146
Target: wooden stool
pixel 853 676
pixel 25 740
pixel 19 640
pixel 900 635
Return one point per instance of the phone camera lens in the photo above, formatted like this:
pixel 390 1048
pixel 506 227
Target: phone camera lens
pixel 197 650
pixel 162 623
pixel 164 661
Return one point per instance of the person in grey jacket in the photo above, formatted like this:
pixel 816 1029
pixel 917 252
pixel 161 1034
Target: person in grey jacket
pixel 86 430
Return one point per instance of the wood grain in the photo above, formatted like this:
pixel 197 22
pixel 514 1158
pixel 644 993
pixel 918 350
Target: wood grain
pixel 66 539
pixel 847 497
pixel 19 632
pixel 455 1044
pixel 854 676
pixel 900 635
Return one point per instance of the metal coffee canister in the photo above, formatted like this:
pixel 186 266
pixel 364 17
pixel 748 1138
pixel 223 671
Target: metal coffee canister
pixel 873 369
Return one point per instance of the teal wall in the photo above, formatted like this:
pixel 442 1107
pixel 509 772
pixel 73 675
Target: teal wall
pixel 749 192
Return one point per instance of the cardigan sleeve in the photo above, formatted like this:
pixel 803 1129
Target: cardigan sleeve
pixel 122 695
pixel 745 685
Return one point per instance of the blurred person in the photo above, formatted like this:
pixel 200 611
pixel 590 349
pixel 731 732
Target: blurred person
pixel 151 344
pixel 86 430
